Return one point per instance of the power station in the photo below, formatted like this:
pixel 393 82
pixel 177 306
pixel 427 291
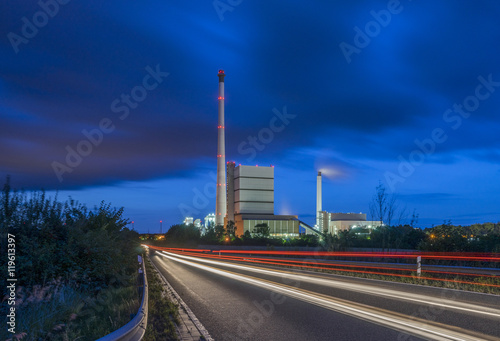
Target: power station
pixel 245 196
pixel 250 201
pixel 333 223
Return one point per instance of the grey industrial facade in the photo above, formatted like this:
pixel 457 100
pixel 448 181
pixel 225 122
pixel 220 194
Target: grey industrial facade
pixel 250 201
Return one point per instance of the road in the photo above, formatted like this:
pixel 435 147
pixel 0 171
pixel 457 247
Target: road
pixel 235 301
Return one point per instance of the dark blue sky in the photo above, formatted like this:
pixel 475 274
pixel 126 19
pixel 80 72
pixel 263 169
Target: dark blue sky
pixel 406 93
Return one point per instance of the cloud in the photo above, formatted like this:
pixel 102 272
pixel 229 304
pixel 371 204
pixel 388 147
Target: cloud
pixel 395 91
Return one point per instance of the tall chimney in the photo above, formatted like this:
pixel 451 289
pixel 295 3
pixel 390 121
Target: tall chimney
pixel 220 204
pixel 318 202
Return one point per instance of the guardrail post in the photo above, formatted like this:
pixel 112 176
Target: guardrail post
pixel 419 265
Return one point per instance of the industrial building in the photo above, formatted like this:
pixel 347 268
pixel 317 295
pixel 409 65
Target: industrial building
pixel 250 201
pixel 209 220
pixel 247 197
pixel 336 222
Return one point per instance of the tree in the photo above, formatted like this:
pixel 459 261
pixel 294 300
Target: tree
pixel 230 229
pixel 414 219
pixel 219 232
pixel 262 230
pixel 347 238
pixel 383 205
pixel 247 237
pixel 331 241
pixel 210 236
pixel 384 208
pixel 182 234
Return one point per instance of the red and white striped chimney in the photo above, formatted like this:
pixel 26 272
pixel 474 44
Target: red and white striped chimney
pixel 220 204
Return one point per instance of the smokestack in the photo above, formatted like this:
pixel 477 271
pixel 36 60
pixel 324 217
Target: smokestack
pixel 318 202
pixel 220 204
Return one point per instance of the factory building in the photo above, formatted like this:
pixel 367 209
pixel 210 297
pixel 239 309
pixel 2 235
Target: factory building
pixel 250 201
pixel 280 226
pixel 247 196
pixel 336 222
pixel 209 220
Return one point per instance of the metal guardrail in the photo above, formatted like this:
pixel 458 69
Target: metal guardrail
pixel 135 329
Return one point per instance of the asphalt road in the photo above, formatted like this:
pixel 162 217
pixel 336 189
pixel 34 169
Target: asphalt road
pixel 240 302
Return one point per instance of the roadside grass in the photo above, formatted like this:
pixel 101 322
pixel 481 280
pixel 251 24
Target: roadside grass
pixel 163 315
pixel 111 309
pixel 61 312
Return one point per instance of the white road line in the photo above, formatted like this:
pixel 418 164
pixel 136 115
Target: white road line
pixel 362 288
pixel 423 329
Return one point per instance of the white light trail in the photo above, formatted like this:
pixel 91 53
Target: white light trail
pixel 362 288
pixel 425 329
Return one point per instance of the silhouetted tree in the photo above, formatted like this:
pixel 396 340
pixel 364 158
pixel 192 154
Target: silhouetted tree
pixel 262 230
pixel 230 229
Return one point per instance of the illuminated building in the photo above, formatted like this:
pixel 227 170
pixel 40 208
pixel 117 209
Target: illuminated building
pixel 209 220
pixel 336 222
pixel 250 201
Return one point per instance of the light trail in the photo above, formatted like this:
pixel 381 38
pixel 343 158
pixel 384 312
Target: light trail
pixel 278 262
pixel 362 288
pixel 328 265
pixel 493 257
pixel 414 326
pixel 210 254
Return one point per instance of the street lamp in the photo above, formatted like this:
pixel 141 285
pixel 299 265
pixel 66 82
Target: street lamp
pixel 161 227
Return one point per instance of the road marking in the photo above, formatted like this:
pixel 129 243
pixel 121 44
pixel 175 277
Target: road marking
pixel 366 289
pixel 201 328
pixel 418 327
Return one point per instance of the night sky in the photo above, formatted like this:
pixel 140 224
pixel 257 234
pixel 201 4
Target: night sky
pixel 117 101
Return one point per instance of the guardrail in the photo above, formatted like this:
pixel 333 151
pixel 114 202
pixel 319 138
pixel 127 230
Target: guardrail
pixel 135 329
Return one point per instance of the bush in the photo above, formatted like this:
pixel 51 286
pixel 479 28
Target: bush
pixel 70 254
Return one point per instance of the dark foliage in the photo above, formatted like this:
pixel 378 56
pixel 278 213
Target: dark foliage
pixel 65 241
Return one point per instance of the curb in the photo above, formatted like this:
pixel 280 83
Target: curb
pixel 190 328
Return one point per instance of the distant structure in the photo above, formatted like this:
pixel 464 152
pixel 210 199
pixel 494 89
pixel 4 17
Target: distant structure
pixel 220 204
pixel 250 201
pixel 209 220
pixel 247 197
pixel 197 223
pixel 319 216
pixel 188 221
pixel 336 222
